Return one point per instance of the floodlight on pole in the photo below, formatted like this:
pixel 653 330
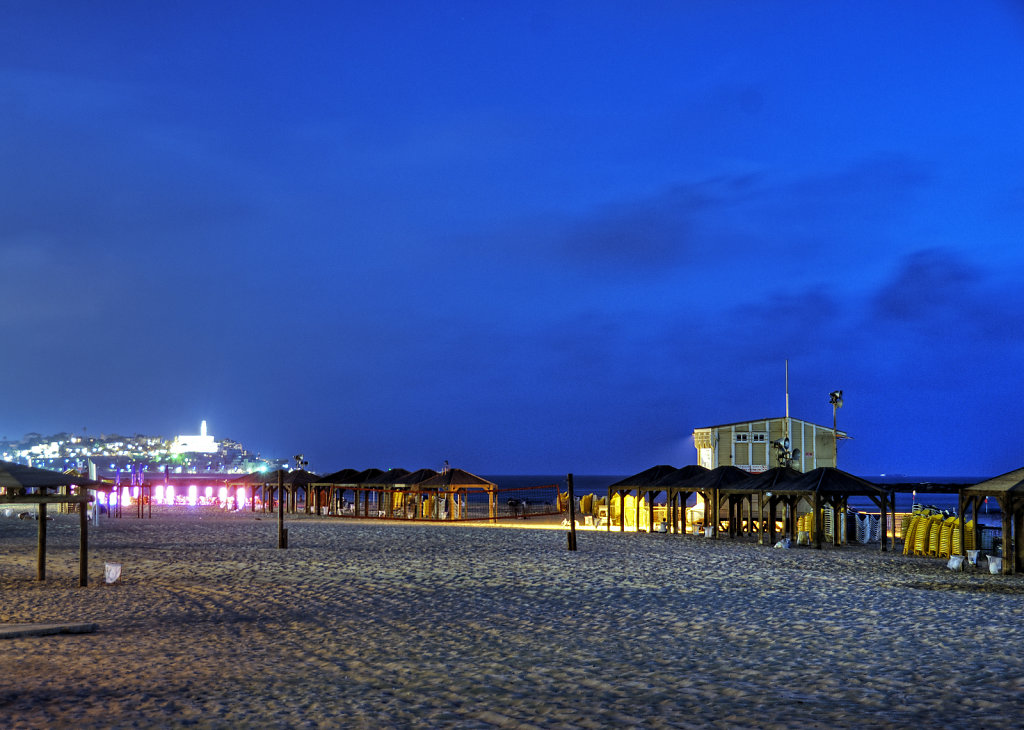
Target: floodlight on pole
pixel 836 399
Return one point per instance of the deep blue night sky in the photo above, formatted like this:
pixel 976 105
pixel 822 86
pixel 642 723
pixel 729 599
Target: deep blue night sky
pixel 540 237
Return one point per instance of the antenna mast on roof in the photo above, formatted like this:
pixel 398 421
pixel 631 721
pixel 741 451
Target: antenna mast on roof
pixel 789 427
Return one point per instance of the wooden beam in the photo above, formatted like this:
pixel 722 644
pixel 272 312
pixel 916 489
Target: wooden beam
pixel 41 551
pixel 45 499
pixel 1004 506
pixel 83 548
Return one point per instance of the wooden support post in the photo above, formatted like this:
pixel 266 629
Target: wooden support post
pixel 1004 506
pixel 817 521
pixel 961 509
pixel 572 513
pixel 83 546
pixel 892 511
pixel 883 503
pixel 1018 543
pixel 41 544
pixel 282 534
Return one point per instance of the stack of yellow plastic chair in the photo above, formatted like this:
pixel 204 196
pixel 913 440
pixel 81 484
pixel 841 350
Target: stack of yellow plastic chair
pixel 905 525
pixel 969 536
pixel 924 528
pixel 946 537
pixel 629 509
pixel 809 525
pixel 955 546
pixel 910 531
pixel 934 532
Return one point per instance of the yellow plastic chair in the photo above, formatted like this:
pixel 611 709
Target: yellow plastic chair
pixel 934 532
pixel 909 530
pixel 945 537
pixel 969 536
pixel 955 546
pixel 922 539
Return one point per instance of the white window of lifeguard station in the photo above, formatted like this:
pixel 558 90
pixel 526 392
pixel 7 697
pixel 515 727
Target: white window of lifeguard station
pixel 757 446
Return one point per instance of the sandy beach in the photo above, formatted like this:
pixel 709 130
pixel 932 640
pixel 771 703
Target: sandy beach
pixel 382 624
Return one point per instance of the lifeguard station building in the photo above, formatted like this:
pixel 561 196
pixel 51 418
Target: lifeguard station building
pixel 750 445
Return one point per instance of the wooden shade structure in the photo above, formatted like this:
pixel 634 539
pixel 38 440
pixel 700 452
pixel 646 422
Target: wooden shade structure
pixel 384 484
pixel 17 479
pixel 711 485
pixel 454 483
pixel 830 486
pixel 740 492
pixel 1008 491
pixel 678 486
pixel 332 482
pixel 646 479
pixel 291 481
pixel 409 485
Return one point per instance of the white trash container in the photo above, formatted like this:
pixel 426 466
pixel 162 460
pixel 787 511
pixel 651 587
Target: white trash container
pixel 995 565
pixel 709 532
pixel 112 572
pixel 972 556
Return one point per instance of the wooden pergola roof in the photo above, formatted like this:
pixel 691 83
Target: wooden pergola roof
pixel 388 478
pixel 686 477
pixel 1008 491
pixel 344 476
pixel 453 479
pixel 1010 483
pixel 415 478
pixel 16 478
pixel 647 478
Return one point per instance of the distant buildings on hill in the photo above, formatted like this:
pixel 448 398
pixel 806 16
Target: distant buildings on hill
pixel 113 452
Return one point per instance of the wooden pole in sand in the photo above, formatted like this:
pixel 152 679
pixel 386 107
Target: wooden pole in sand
pixel 83 545
pixel 282 534
pixel 572 514
pixel 1008 549
pixel 1018 543
pixel 41 544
